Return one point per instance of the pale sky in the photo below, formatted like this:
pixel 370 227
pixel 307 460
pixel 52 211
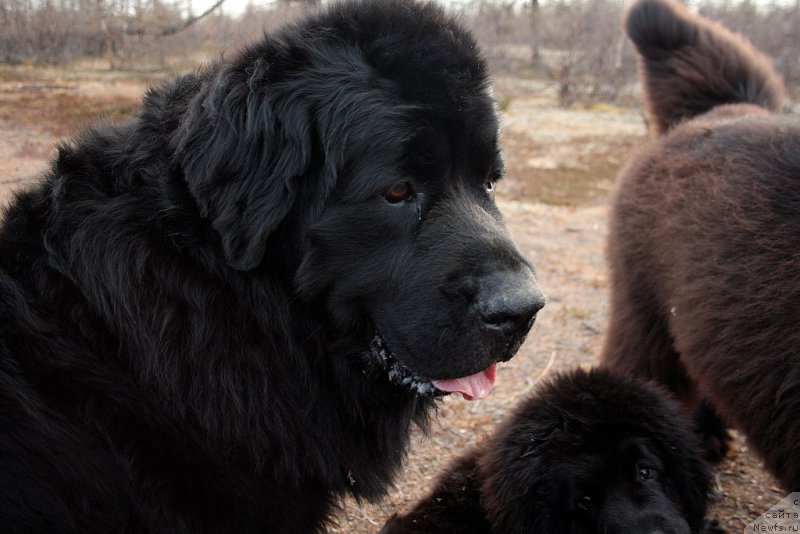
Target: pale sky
pixel 236 7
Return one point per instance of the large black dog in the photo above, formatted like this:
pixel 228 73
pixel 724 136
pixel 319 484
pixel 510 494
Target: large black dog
pixel 704 243
pixel 226 314
pixel 589 452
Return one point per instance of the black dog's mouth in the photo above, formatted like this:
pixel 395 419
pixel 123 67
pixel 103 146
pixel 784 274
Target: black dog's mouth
pixel 471 387
pixel 397 373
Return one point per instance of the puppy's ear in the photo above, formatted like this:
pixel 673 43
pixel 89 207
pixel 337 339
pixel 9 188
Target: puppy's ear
pixel 242 146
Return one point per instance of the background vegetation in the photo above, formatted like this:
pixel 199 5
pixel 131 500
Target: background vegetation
pixel 575 45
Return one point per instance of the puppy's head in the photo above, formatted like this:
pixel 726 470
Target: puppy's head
pixel 594 453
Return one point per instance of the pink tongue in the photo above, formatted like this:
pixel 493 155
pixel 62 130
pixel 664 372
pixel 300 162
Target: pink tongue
pixel 472 387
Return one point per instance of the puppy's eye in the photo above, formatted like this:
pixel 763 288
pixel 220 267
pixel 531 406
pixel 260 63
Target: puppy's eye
pixel 489 187
pixel 585 503
pixel 400 192
pixel 646 472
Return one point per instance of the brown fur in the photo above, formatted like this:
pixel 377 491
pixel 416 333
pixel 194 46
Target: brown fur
pixel 689 64
pixel 704 240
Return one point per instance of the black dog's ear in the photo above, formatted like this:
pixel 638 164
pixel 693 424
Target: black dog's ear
pixel 242 146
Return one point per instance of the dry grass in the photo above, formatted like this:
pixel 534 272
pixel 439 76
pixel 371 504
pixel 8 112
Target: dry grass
pixel 534 173
pixel 62 102
pixel 562 157
pixel 64 113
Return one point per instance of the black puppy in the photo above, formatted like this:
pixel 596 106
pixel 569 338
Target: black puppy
pixel 589 452
pixel 226 314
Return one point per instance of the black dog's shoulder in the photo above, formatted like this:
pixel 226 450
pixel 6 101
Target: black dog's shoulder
pixel 43 453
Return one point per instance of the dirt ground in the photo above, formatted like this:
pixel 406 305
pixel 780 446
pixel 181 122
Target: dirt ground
pixel 561 166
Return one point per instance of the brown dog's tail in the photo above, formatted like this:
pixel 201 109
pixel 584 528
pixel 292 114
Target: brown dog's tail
pixel 689 64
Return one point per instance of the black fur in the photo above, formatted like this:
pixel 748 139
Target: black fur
pixel 188 301
pixel 568 461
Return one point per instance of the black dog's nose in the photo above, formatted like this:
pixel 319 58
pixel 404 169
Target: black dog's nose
pixel 508 301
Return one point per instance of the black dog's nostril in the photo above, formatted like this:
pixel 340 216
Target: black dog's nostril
pixel 508 301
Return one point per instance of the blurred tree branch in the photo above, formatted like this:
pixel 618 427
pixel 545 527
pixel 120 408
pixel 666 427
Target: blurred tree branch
pixel 190 21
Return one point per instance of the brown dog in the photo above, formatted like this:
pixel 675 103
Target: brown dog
pixel 705 233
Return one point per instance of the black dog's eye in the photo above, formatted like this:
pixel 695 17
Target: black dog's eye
pixel 585 503
pixel 400 192
pixel 489 187
pixel 646 472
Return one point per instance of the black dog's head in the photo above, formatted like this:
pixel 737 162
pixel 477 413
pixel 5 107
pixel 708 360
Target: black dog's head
pixel 355 155
pixel 595 453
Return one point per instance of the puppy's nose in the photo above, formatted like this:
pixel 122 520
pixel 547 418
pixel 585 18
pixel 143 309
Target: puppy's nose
pixel 508 301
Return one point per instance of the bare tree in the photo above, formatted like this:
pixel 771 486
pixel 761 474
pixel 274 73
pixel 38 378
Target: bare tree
pixel 577 45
